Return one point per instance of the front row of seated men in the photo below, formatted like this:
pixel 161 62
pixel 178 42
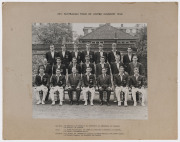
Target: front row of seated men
pixel 87 83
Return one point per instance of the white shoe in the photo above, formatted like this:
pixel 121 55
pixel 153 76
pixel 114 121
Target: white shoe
pixel 39 102
pixel 119 104
pixel 60 103
pixel 115 101
pixel 85 103
pixel 53 103
pixel 43 103
pixel 143 104
pixel 135 103
pixel 92 104
pixel 125 104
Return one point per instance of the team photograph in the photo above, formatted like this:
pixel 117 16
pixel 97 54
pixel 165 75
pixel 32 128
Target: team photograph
pixel 89 70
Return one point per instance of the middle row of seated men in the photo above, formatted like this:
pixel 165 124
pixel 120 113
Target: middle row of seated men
pixel 87 83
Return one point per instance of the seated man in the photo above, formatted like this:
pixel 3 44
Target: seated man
pixel 121 84
pixel 104 84
pixel 74 84
pixel 41 84
pixel 88 85
pixel 136 82
pixel 58 83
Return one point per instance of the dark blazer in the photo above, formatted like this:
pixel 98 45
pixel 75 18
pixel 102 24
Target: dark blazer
pixel 136 83
pixel 97 57
pixel 111 57
pixel 79 56
pixel 60 83
pixel 78 67
pixel 91 83
pixel 99 69
pixel 44 81
pixel 66 59
pixel 84 67
pixel 74 82
pixel 114 68
pixel 62 68
pixel 131 67
pixel 104 82
pixel 48 70
pixel 91 55
pixel 118 82
pixel 50 59
pixel 126 60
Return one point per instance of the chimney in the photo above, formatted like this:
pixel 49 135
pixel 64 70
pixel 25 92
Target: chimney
pixel 85 30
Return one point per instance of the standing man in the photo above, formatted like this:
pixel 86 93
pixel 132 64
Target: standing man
pixel 87 64
pixel 65 56
pixel 135 64
pixel 102 65
pixel 41 84
pixel 136 82
pixel 60 66
pixel 51 55
pixel 88 85
pixel 112 54
pixel 99 54
pixel 121 84
pixel 104 84
pixel 127 58
pixel 77 54
pixel 89 53
pixel 74 65
pixel 58 83
pixel 74 84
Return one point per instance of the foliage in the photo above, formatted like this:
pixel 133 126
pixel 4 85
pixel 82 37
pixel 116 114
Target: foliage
pixel 55 33
pixel 142 42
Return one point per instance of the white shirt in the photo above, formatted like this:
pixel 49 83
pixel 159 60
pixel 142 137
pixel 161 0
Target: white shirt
pixel 136 76
pixel 102 65
pixel 87 64
pixel 121 76
pixel 87 52
pixel 63 53
pixel 76 53
pixel 101 53
pixel 58 66
pixel 41 76
pixel 130 56
pixel 52 54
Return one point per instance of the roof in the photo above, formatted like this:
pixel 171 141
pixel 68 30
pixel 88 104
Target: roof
pixel 107 32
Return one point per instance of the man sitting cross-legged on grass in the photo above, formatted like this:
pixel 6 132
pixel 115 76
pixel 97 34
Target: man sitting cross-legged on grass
pixel 121 84
pixel 88 85
pixel 41 84
pixel 58 83
pixel 136 82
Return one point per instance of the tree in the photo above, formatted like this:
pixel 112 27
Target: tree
pixel 55 33
pixel 142 42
